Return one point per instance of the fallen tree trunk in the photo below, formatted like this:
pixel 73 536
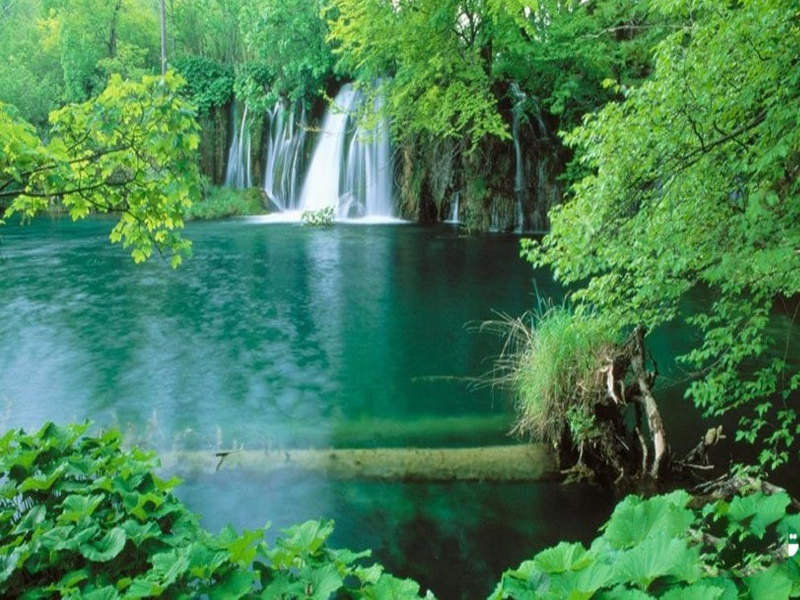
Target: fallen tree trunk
pixel 520 462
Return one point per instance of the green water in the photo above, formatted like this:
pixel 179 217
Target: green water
pixel 287 336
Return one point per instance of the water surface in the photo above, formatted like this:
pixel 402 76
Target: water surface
pixel 283 336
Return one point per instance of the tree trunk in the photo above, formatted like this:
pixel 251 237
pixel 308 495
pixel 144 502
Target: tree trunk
pixel 644 381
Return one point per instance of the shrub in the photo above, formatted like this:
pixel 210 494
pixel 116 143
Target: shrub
pixel 222 202
pixel 79 516
pixel 663 548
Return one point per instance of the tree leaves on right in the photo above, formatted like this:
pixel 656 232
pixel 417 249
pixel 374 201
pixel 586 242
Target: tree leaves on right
pixel 690 209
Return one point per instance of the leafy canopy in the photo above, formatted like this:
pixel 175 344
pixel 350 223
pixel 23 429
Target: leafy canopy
pixel 289 57
pixel 130 151
pixel 693 190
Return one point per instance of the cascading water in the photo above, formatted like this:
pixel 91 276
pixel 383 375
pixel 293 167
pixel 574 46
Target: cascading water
pixel 285 145
pixel 321 186
pixel 520 187
pixel 351 166
pixel 454 210
pixel 239 156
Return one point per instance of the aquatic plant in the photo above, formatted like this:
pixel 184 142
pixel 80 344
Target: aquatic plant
pixel 318 218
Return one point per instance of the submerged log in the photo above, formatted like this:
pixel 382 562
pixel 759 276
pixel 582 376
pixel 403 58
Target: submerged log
pixel 520 462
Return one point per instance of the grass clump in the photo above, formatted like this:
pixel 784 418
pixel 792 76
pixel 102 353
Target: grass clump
pixel 551 361
pixel 223 202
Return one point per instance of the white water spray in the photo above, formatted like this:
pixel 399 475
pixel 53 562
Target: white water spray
pixel 351 167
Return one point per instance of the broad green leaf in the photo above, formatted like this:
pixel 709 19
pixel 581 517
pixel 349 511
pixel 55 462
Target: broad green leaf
pixel 392 588
pixel 656 557
pixel 769 584
pixel 635 520
pixel 762 509
pixel 106 548
pixel 236 584
pixel 563 557
pixel 321 581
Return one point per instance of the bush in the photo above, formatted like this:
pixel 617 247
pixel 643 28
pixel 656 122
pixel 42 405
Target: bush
pixel 79 516
pixel 318 218
pixel 223 202
pixel 663 548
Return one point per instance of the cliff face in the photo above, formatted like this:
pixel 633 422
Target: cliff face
pixel 491 188
pixel 214 132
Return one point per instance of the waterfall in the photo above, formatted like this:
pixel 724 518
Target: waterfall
pixel 520 187
pixel 368 174
pixel 351 166
pixel 239 156
pixel 454 210
pixel 285 144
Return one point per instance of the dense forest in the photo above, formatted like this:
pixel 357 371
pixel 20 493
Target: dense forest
pixel 656 142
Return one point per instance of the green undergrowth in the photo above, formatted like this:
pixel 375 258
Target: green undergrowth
pixel 82 517
pixel 663 548
pixel 223 202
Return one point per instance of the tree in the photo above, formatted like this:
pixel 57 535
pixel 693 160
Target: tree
pixel 131 151
pixel 99 38
pixel 434 60
pixel 289 55
pixel 693 190
pixel 31 76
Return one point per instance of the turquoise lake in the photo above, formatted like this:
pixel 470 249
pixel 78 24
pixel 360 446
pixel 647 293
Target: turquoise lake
pixel 284 336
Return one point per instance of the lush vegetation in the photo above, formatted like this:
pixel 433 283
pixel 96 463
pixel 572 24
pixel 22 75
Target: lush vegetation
pixel 682 117
pixel 668 547
pixel 130 151
pixel 693 189
pixel 80 516
pixel 220 203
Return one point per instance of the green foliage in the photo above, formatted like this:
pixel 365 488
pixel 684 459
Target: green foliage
pixel 693 188
pixel 447 68
pixel 209 84
pixel 31 76
pixel 662 548
pixel 130 151
pixel 318 218
pixel 289 53
pixel 82 517
pixel 207 29
pixel 97 39
pixel 436 55
pixel 222 202
pixel 551 361
pixel 570 51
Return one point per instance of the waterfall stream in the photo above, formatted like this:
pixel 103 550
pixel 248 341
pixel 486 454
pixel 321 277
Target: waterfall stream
pixel 238 173
pixel 284 159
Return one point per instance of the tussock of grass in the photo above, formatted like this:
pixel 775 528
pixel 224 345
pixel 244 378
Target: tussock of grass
pixel 550 360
